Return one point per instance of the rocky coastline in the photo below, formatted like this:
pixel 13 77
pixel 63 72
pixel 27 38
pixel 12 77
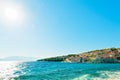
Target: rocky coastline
pixel 110 55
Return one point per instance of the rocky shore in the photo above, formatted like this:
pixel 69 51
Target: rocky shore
pixel 110 55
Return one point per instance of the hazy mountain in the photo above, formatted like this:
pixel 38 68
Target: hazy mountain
pixel 18 58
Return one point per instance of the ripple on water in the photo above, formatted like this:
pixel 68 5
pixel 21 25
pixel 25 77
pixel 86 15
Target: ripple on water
pixel 100 75
pixel 9 70
pixel 58 71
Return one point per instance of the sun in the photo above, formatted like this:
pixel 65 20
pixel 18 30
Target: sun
pixel 12 13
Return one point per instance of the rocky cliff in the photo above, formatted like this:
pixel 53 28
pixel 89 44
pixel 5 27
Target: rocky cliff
pixel 110 55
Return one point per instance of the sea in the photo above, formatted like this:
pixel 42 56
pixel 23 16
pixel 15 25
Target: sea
pixel 37 70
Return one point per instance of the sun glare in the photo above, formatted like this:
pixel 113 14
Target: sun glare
pixel 11 13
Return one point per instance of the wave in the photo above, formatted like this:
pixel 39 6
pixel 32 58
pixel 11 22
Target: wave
pixel 100 75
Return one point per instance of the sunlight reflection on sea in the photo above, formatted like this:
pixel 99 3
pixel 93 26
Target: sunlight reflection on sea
pixel 9 70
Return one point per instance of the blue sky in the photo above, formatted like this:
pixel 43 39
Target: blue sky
pixel 45 28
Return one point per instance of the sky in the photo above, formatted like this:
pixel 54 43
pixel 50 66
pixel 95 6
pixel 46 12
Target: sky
pixel 46 28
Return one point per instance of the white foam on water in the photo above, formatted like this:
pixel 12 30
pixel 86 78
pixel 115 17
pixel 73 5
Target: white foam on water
pixel 104 75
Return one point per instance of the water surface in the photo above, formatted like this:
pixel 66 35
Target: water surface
pixel 58 71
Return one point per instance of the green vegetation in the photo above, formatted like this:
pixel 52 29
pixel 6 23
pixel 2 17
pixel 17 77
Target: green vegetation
pixel 110 55
pixel 56 59
pixel 71 55
pixel 113 49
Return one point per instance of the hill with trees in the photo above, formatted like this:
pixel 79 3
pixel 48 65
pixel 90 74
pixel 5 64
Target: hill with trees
pixel 109 55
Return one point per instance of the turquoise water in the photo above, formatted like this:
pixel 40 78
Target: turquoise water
pixel 58 71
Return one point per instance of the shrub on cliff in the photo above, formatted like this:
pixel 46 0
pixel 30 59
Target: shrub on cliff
pixel 113 49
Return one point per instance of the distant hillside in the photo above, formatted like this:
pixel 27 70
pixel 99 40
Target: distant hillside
pixel 17 58
pixel 110 55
